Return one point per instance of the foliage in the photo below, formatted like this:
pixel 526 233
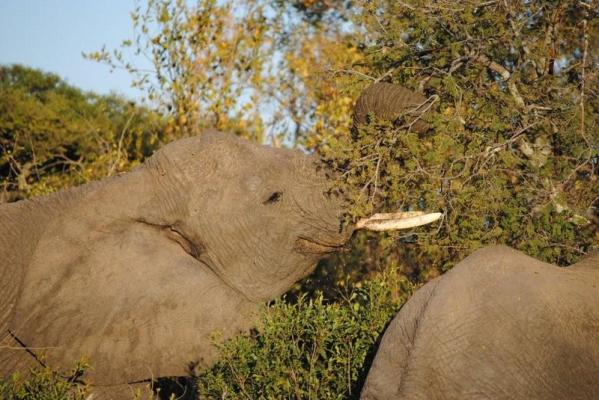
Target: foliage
pixel 208 62
pixel 253 67
pixel 310 349
pixel 53 135
pixel 43 383
pixel 317 11
pixel 512 156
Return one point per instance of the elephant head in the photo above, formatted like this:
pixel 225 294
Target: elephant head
pixel 136 272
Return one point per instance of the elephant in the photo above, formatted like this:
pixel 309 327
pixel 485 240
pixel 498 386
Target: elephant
pixel 499 325
pixel 136 272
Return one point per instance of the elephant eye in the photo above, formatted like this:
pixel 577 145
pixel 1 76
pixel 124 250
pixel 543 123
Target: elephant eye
pixel 274 198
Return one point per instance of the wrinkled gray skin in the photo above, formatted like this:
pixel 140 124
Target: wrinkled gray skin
pixel 389 102
pixel 499 325
pixel 136 272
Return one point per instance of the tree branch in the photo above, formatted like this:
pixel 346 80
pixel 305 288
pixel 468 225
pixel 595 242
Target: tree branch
pixel 504 73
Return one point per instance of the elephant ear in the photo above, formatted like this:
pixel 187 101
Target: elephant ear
pixel 389 102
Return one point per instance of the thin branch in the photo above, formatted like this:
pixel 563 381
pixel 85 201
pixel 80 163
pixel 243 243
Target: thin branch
pixel 422 109
pixel 376 179
pixel 120 144
pixel 583 80
pixel 562 186
pixel 408 6
pixel 487 3
pixel 504 73
pixel 351 72
pixel 386 74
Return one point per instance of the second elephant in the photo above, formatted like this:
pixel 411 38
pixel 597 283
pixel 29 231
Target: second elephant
pixel 499 325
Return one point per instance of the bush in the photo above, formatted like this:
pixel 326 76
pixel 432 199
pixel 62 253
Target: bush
pixel 44 384
pixel 511 157
pixel 54 136
pixel 310 349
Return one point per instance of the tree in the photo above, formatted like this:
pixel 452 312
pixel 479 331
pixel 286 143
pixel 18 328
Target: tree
pixel 208 61
pixel 53 135
pixel 512 156
pixel 253 67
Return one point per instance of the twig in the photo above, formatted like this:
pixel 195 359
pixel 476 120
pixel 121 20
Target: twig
pixel 582 81
pixel 379 22
pixel 422 109
pixel 120 145
pixel 408 6
pixel 352 72
pixel 504 73
pixel 492 150
pixel 376 179
pixel 487 3
pixel 386 74
pixel 562 186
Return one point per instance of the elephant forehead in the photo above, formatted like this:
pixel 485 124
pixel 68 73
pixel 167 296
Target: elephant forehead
pixel 272 163
pixel 217 156
pixel 253 183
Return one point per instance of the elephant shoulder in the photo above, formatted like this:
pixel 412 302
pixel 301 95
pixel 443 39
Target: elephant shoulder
pixel 497 259
pixel 387 376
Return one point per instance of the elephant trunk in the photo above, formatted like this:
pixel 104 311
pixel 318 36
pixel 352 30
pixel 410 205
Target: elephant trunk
pixel 390 102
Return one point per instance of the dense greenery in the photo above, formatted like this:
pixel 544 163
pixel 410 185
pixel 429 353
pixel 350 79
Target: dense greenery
pixel 44 383
pixel 53 135
pixel 512 154
pixel 310 349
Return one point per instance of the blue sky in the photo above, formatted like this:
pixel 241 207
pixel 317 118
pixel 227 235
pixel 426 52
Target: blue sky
pixel 51 34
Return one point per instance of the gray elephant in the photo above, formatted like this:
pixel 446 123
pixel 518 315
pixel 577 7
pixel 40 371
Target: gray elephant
pixel 499 325
pixel 137 272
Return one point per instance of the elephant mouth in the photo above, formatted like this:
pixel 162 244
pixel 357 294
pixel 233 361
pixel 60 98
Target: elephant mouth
pixel 311 246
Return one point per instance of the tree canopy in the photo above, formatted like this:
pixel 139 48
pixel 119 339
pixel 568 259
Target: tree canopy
pixel 53 135
pixel 512 153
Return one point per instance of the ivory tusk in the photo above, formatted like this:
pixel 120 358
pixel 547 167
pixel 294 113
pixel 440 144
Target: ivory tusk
pixel 396 215
pixel 396 221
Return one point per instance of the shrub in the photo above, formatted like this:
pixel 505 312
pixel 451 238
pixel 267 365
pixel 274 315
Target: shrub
pixel 310 349
pixel 512 154
pixel 43 383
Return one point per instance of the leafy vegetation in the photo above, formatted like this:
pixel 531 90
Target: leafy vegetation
pixel 310 349
pixel 44 383
pixel 53 135
pixel 512 153
pixel 253 67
